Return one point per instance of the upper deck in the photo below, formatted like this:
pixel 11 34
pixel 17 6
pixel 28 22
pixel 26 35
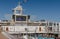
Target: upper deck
pixel 32 27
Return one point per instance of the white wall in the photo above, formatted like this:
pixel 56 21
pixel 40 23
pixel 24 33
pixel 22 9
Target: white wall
pixel 21 29
pixel 59 30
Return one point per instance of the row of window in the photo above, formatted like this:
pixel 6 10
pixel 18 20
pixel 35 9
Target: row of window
pixel 49 24
pixel 43 24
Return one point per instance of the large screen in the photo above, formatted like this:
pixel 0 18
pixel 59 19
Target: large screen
pixel 20 18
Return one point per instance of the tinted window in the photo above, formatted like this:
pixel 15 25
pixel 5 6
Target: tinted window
pixel 20 18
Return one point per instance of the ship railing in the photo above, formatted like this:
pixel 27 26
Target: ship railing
pixel 51 29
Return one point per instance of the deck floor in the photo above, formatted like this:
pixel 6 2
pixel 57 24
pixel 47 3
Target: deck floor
pixel 2 36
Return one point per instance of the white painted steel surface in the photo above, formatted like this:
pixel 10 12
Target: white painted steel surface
pixel 22 29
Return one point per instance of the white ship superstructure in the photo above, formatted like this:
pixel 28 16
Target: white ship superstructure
pixel 21 27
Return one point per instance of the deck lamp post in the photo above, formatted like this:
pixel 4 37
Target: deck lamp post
pixel 35 32
pixel 26 29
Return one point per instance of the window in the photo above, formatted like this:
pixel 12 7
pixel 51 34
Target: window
pixel 39 28
pixel 50 24
pixel 50 28
pixel 7 29
pixel 57 24
pixel 18 11
pixel 43 24
pixel 54 24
